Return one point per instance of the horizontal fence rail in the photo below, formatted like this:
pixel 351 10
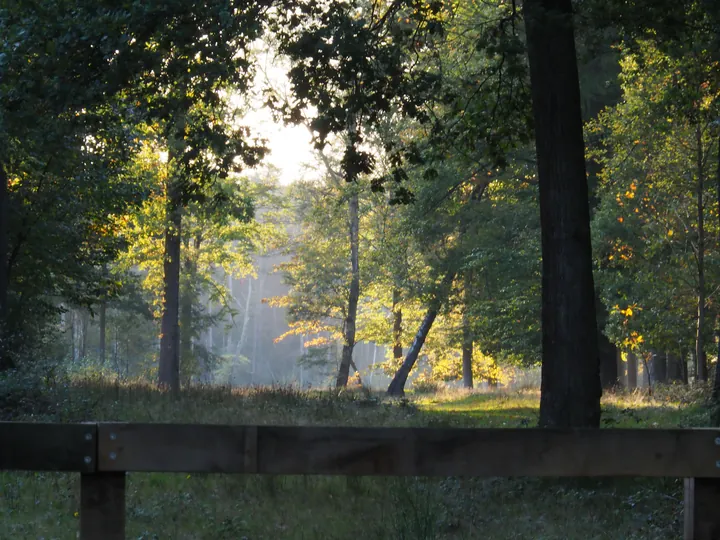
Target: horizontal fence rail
pixel 104 452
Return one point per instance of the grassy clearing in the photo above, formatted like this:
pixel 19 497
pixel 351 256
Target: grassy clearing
pixel 169 506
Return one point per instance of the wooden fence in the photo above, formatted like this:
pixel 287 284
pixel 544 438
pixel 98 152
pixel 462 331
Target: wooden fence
pixel 104 452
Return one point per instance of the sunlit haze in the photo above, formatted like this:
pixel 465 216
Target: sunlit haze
pixel 290 146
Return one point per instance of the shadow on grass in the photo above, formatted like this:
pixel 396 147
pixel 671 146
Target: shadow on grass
pixel 236 506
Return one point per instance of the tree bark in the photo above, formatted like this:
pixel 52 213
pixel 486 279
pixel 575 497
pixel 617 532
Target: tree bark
pixel 5 361
pixel 570 388
pixel 169 364
pixel 700 359
pixel 354 293
pixel 397 326
pixel 632 370
pixel 716 384
pixel 397 385
pixel 467 333
pixel 102 346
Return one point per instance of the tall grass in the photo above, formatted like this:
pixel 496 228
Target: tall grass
pixel 169 506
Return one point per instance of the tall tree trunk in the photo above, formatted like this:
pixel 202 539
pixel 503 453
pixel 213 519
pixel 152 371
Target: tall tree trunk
pixel 354 295
pixel 700 359
pixel 716 385
pixel 102 345
pixel 169 364
pixel 397 325
pixel 397 385
pixel 570 388
pixel 468 338
pixel 5 361
pixel 632 370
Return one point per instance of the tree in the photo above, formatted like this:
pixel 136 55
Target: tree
pixel 397 385
pixel 189 111
pixel 219 237
pixel 654 246
pixel 570 390
pixel 62 150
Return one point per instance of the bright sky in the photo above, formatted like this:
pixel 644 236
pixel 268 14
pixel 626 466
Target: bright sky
pixel 290 146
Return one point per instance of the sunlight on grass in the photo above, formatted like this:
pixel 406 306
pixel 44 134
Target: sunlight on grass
pixel 197 506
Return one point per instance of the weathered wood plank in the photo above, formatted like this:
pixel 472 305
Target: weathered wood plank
pixel 48 447
pixel 487 452
pixel 408 451
pixel 102 506
pixel 702 509
pixel 173 448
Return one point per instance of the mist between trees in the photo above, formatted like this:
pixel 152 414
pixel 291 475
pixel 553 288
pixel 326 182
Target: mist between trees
pixel 497 188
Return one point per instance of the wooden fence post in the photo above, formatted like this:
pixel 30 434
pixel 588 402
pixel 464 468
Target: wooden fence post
pixel 102 506
pixel 702 509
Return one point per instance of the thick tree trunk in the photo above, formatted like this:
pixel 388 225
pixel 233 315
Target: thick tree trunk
pixel 354 295
pixel 169 364
pixel 632 370
pixel 570 389
pixel 397 326
pixel 700 358
pixel 397 385
pixel 5 361
pixel 102 342
pixel 3 242
pixel 716 384
pixel 467 333
pixel 608 362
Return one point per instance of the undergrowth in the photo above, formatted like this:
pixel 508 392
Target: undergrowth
pixel 182 506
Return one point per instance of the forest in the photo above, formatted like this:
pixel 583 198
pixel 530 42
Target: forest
pixel 464 201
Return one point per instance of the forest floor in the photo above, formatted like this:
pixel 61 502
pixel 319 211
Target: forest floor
pixel 181 506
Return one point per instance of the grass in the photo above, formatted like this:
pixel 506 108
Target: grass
pixel 170 506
